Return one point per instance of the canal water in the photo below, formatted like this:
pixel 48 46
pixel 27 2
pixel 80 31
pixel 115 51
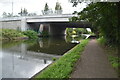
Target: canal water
pixel 23 59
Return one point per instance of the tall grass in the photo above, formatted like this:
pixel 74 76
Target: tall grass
pixel 112 52
pixel 11 34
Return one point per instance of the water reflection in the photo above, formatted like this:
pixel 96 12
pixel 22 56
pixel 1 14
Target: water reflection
pixel 51 46
pixel 23 59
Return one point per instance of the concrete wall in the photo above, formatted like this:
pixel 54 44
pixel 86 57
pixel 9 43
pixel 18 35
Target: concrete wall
pixel 11 25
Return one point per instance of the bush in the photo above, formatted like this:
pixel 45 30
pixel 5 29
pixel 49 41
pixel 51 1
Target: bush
pixel 11 34
pixel 45 34
pixel 102 40
pixel 31 34
pixel 114 61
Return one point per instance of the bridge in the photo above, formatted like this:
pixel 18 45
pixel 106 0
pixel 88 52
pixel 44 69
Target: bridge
pixel 52 24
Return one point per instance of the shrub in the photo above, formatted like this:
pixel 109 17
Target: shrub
pixel 11 34
pixel 31 34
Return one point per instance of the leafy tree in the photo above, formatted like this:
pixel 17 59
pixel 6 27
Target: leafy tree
pixel 104 19
pixel 58 8
pixel 4 14
pixel 32 14
pixel 46 8
pixel 23 12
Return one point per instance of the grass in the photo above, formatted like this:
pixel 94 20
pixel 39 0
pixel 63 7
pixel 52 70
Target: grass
pixel 112 53
pixel 30 34
pixel 11 34
pixel 63 67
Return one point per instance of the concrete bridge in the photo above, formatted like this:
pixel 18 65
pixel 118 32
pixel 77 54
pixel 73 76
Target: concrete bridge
pixel 51 24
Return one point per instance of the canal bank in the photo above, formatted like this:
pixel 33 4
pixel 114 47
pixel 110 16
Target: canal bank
pixel 63 67
pixel 94 63
pixel 26 58
pixel 11 34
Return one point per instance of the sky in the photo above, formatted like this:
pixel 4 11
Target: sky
pixel 36 6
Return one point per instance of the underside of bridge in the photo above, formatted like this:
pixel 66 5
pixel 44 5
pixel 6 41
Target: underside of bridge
pixel 56 28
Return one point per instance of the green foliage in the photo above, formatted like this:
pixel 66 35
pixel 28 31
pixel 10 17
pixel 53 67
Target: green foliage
pixel 104 19
pixel 58 6
pixel 102 40
pixel 73 19
pixel 63 67
pixel 112 52
pixel 115 61
pixel 12 34
pixel 45 33
pixel 31 34
pixel 54 59
pixel 76 31
pixel 46 7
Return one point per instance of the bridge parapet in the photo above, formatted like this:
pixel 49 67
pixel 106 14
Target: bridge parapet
pixel 37 17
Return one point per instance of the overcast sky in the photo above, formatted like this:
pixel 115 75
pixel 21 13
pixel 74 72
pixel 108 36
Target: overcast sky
pixel 37 5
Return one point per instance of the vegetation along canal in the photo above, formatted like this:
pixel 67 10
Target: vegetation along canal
pixel 23 59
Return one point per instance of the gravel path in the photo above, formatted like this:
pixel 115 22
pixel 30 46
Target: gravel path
pixel 93 63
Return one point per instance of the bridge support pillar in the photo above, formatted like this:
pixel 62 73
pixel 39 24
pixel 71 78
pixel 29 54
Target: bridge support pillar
pixel 24 25
pixel 44 29
pixel 51 30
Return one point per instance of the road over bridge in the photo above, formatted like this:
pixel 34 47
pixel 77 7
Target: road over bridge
pixel 52 24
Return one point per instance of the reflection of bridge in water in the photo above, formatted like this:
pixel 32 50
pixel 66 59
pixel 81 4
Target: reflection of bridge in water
pixel 53 24
pixel 22 52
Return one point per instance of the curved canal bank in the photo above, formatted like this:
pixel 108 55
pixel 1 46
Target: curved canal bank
pixel 63 67
pixel 28 57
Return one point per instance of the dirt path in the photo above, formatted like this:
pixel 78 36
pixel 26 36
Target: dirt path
pixel 93 63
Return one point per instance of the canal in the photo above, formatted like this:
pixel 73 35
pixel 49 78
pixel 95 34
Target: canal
pixel 23 59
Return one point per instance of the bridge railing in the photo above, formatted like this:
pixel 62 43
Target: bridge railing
pixel 38 16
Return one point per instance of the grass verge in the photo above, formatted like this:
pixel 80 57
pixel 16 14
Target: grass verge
pixel 11 34
pixel 112 53
pixel 63 67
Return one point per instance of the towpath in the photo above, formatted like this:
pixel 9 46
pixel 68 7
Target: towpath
pixel 93 63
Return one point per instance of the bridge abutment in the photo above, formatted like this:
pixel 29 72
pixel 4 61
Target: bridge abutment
pixel 51 30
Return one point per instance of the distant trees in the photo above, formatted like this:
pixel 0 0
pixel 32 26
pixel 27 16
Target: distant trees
pixel 32 14
pixel 6 15
pixel 76 31
pixel 58 8
pixel 47 10
pixel 23 12
pixel 104 19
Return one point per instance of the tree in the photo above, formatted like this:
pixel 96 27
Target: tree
pixel 7 14
pixel 32 14
pixel 104 20
pixel 4 14
pixel 58 8
pixel 46 8
pixel 23 12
